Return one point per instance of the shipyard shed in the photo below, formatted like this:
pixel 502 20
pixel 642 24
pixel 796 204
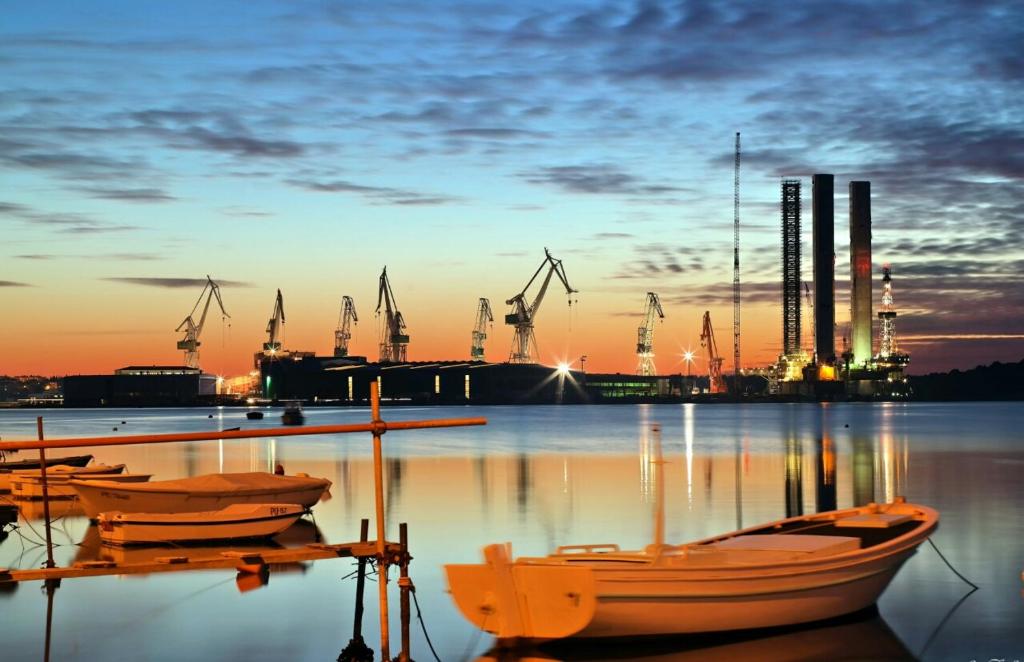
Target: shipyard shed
pixel 141 386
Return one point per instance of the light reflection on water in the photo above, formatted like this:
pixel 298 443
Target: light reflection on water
pixel 540 477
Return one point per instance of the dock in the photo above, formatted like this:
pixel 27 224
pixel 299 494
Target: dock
pixel 254 566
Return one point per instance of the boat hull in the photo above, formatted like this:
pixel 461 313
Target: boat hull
pixel 236 522
pixel 97 497
pixel 789 572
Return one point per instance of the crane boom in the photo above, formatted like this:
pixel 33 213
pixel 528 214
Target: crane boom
pixel 645 335
pixel 483 318
pixel 343 333
pixel 190 343
pixel 524 343
pixel 274 326
pixel 707 340
pixel 394 340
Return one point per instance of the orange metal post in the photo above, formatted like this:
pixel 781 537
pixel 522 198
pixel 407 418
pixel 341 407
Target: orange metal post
pixel 46 495
pixel 378 488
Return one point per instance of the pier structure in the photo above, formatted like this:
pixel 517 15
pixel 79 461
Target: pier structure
pixel 258 563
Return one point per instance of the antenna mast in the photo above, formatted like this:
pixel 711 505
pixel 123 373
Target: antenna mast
pixel 736 270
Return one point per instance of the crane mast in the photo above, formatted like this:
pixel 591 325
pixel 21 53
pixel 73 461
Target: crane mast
pixel 483 318
pixel 707 340
pixel 645 335
pixel 343 333
pixel 524 344
pixel 190 343
pixel 394 340
pixel 274 326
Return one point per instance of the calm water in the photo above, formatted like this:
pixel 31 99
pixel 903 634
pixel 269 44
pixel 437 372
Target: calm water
pixel 540 477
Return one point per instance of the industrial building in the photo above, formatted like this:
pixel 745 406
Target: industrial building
pixel 858 372
pixel 138 386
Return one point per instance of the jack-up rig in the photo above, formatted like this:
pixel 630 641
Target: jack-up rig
pixel 524 344
pixel 484 316
pixel 394 340
pixel 707 340
pixel 343 333
pixel 274 326
pixel 190 343
pixel 645 336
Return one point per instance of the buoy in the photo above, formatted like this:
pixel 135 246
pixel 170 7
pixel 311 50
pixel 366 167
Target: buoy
pixel 122 423
pixel 210 416
pixel 115 428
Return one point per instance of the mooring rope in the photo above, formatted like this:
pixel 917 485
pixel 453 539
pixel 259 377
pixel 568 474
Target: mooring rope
pixel 950 566
pixel 423 625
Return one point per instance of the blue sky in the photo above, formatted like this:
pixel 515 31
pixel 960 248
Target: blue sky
pixel 304 145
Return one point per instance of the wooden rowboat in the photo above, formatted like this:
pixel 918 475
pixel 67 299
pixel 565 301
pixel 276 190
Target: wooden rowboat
pixel 791 571
pixel 234 522
pixel 198 494
pixel 25 488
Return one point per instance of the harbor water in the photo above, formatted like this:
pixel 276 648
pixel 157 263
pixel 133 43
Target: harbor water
pixel 540 477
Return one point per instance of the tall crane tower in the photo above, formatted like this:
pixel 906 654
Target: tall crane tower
pixel 190 343
pixel 524 344
pixel 736 268
pixel 483 318
pixel 645 335
pixel 394 340
pixel 343 333
pixel 707 340
pixel 887 316
pixel 274 326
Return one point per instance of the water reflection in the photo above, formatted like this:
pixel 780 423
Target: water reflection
pixel 541 477
pixel 863 636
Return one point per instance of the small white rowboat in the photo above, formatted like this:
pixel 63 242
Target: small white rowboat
pixel 198 494
pixel 26 488
pixel 791 571
pixel 57 470
pixel 235 522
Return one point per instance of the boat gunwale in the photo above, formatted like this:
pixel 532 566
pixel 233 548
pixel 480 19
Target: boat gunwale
pixel 928 522
pixel 321 483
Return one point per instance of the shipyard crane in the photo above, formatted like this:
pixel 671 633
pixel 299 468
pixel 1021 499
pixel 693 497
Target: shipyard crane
pixel 483 318
pixel 707 340
pixel 343 333
pixel 645 335
pixel 524 344
pixel 394 340
pixel 190 343
pixel 274 327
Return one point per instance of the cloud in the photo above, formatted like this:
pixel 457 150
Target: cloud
pixel 493 133
pixel 11 283
pixel 92 256
pixel 173 283
pixel 378 194
pixel 130 195
pixel 594 179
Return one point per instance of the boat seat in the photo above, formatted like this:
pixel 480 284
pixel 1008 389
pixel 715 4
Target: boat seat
pixel 797 544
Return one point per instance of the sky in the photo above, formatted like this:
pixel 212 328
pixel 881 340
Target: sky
pixel 306 145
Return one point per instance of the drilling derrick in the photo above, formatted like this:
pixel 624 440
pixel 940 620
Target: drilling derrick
pixel 887 349
pixel 707 340
pixel 645 335
pixel 394 340
pixel 190 343
pixel 524 344
pixel 343 333
pixel 273 346
pixel 483 318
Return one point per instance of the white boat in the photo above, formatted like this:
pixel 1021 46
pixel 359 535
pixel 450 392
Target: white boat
pixel 59 487
pixel 7 475
pixel 791 571
pixel 235 522
pixel 198 494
